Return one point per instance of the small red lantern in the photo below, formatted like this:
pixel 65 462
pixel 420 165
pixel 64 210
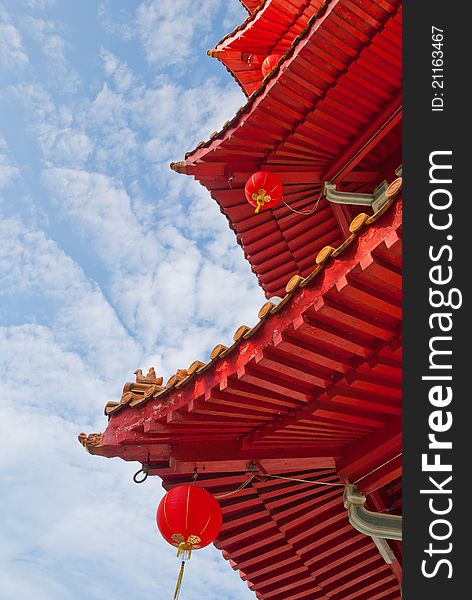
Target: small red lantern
pixel 269 63
pixel 263 190
pixel 189 518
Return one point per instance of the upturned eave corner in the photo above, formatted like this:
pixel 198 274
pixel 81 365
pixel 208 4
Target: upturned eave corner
pixel 91 442
pixel 179 167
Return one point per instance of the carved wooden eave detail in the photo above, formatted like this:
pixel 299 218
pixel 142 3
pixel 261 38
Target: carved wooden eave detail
pixel 91 441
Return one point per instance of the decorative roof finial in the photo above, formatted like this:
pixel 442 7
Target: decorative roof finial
pixel 149 378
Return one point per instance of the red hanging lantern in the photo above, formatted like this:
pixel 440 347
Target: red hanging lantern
pixel 263 190
pixel 189 518
pixel 269 63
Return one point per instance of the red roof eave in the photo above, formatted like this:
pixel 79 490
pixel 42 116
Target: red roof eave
pixel 233 360
pixel 271 28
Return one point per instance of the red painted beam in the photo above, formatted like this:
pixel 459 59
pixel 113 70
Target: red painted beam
pixel 269 465
pixel 343 216
pixel 389 117
pixel 186 451
pixel 362 457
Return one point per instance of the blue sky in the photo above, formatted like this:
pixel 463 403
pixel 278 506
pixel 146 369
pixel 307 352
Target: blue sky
pixel 109 261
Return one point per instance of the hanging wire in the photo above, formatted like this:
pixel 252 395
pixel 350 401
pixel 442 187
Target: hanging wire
pixel 377 468
pixel 265 475
pixel 308 212
pixel 241 487
pixel 305 480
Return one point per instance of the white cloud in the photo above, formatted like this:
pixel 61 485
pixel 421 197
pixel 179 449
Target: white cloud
pixel 12 53
pixel 170 30
pixel 170 258
pixel 8 172
pixel 44 373
pixel 109 107
pixel 115 21
pixel 155 123
pixel 102 215
pixel 160 280
pixel 34 267
pixel 39 4
pixel 102 209
pixel 60 139
pixel 113 67
pixel 197 111
pixel 44 32
pixel 54 47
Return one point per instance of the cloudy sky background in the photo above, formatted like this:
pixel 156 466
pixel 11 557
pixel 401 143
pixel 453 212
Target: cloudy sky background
pixel 109 261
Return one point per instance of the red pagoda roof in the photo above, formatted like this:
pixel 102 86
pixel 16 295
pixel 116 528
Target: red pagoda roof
pixel 312 392
pixel 271 29
pixel 321 114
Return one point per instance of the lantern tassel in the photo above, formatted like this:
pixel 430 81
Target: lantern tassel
pixel 184 550
pixel 261 197
pixel 179 581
